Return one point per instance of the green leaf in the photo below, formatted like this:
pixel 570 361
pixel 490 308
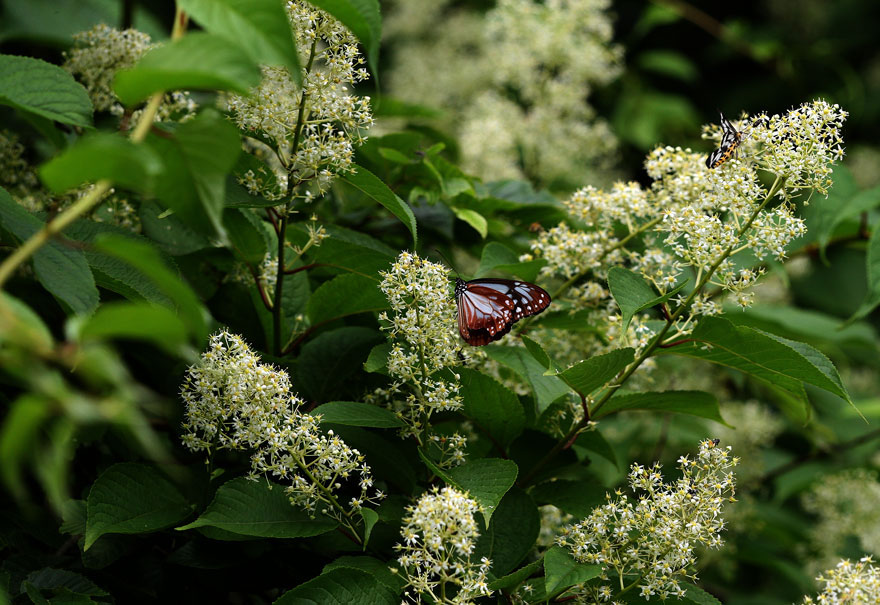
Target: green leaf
pixel 253 508
pixel 111 272
pixel 197 157
pixel 596 443
pixel 540 355
pixel 511 534
pixel 377 361
pixel 139 321
pixel 343 586
pixel 493 408
pixel 59 268
pixel 147 260
pixel 593 373
pixel 370 518
pixel 773 359
pixel 54 579
pixel 577 498
pixel 344 295
pixel 367 182
pixel 197 61
pixel 363 19
pixel 668 63
pixel 486 480
pixel 474 219
pixel 20 325
pixel 547 389
pixel 103 156
pixel 872 298
pixel 376 568
pixel 695 403
pixel 245 234
pixel 329 363
pixel 259 27
pixel 631 292
pixel 514 579
pixel 349 250
pixel 132 498
pixel 19 437
pixel 355 413
pixel 495 254
pixel 562 571
pixel 36 87
pixel 698 596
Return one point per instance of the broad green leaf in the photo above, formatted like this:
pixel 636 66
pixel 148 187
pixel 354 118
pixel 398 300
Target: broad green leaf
pixel 540 355
pixel 329 364
pixel 169 233
pixel 391 459
pixel 253 508
pixel 368 183
pixel 872 299
pixel 547 389
pixel 370 518
pixel 132 498
pixel 822 213
pixel 695 403
pixel 474 219
pixel 245 234
pixel 103 156
pixel 486 480
pixel 514 579
pixel 495 254
pixel 139 321
pixel 343 295
pixel 355 413
pixel 19 438
pixel 54 579
pixel 593 373
pixel 562 571
pixel 698 596
pixel 343 586
pixel 259 27
pixel 630 290
pixel 59 268
pixel 779 361
pixel 36 87
pixel 511 534
pixel 385 106
pixel 20 325
pixel 74 516
pixel 492 407
pixel 377 360
pixel 668 63
pixel 197 61
pixel 111 272
pixel 579 321
pixel 363 19
pixel 577 498
pixel 348 250
pixel 596 443
pixel 197 157
pixel 376 568
pixel 147 260
pixel 527 270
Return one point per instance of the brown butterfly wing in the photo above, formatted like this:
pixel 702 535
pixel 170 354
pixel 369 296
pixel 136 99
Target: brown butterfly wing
pixel 487 308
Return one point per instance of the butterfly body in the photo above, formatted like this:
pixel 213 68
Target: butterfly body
pixel 730 140
pixel 487 308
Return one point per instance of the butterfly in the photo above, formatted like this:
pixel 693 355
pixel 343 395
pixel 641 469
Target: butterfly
pixel 730 140
pixel 487 308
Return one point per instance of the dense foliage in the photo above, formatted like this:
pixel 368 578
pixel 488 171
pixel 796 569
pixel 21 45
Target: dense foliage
pixel 231 354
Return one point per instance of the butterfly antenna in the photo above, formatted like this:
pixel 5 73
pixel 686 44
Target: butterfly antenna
pixel 449 264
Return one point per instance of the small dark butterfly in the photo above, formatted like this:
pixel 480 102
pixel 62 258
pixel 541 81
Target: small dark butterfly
pixel 730 140
pixel 487 308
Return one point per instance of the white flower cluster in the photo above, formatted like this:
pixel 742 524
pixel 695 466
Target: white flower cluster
pixel 101 52
pixel 541 60
pixel 846 506
pixel 849 583
pixel 439 535
pixel 654 537
pixel 233 401
pixel 703 217
pixel 421 327
pixel 313 128
pixel 757 426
